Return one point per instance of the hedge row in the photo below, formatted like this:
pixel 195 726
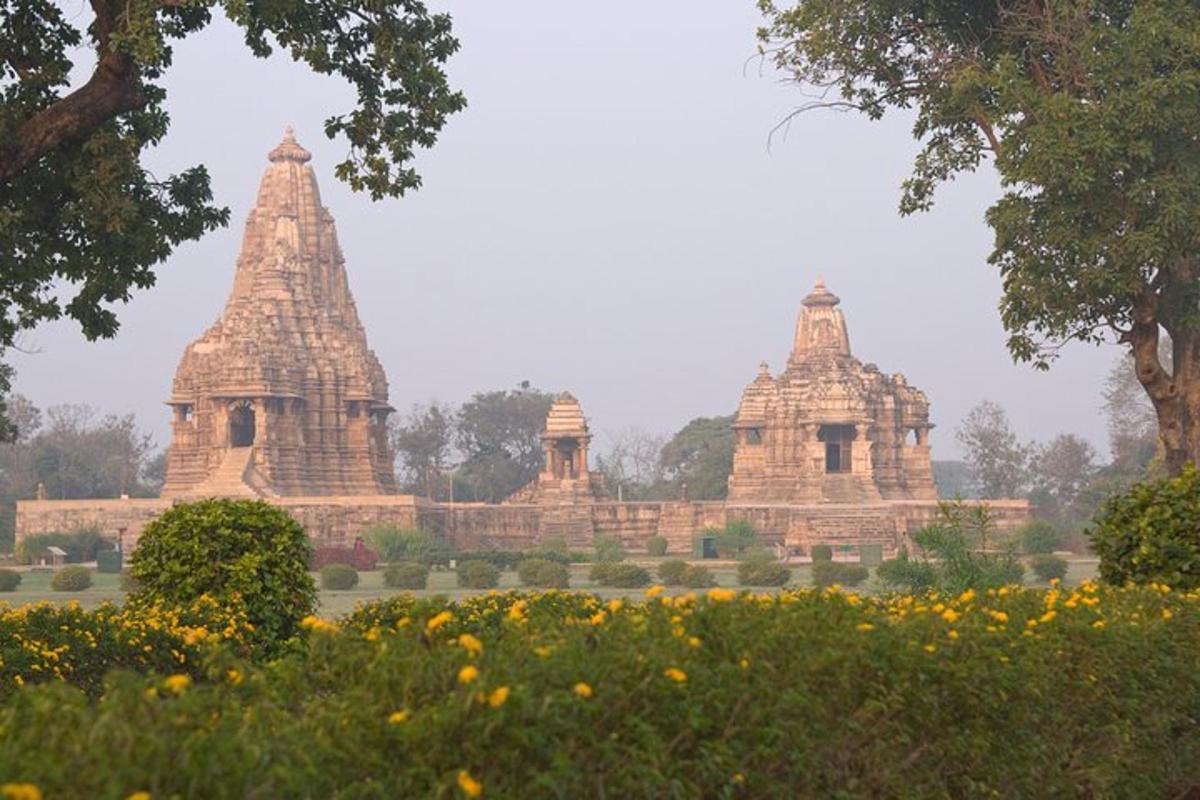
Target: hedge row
pixel 1011 693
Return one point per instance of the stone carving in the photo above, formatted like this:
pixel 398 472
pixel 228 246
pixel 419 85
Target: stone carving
pixel 830 429
pixel 282 396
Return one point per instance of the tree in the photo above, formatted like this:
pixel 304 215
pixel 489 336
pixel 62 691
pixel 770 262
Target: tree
pixel 1087 109
pixel 700 456
pixel 499 437
pixel 1061 472
pixel 632 462
pixel 998 462
pixel 1132 428
pixel 423 442
pixel 78 211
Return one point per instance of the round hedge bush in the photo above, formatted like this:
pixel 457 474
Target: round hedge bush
pixel 338 577
pixel 71 579
pixel 477 575
pixel 698 577
pixel 620 574
pixel 763 572
pixel 671 571
pixel 406 575
pixel 828 573
pixel 543 574
pixel 248 549
pixel 1039 536
pixel 1048 568
pixel 1149 533
pixel 656 545
pixel 10 579
pixel 821 552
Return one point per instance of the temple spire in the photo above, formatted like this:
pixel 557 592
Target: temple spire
pixel 821 328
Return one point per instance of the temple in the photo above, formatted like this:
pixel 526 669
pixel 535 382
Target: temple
pixel 830 429
pixel 282 396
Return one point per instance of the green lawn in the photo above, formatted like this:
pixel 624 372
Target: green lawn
pixel 35 586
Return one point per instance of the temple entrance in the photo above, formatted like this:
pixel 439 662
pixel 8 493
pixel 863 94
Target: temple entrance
pixel 241 426
pixel 838 441
pixel 565 464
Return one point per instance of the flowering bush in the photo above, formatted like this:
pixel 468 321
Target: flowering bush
pixel 71 579
pixel 996 693
pixel 246 549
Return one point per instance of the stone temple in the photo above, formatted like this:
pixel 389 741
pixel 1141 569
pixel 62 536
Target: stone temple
pixel 282 396
pixel 282 399
pixel 830 429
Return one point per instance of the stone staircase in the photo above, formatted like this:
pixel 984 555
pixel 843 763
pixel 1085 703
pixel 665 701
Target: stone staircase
pixel 234 477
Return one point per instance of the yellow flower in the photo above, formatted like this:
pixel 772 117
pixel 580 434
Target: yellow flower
pixel 967 596
pixel 744 663
pixel 950 615
pixel 469 786
pixel 1049 615
pixel 20 791
pixel 139 796
pixel 929 648
pixel 675 674
pixel 498 697
pixel 598 618
pixel 654 591
pixel 582 689
pixel 438 620
pixel 864 626
pixel 235 677
pixel 396 717
pixel 470 644
pixel 467 674
pixel 1166 613
pixel 694 641
pixel 721 595
pixel 739 778
pixel 953 634
pixel 615 605
pixel 177 683
pixel 542 651
pixel 1098 623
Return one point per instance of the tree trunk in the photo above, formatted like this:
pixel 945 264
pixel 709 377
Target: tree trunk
pixel 1175 394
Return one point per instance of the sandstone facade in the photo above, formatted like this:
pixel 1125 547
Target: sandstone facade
pixel 830 429
pixel 282 396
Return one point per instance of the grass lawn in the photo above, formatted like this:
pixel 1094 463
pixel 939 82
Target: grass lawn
pixel 35 586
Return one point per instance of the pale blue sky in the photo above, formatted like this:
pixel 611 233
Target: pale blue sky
pixel 605 217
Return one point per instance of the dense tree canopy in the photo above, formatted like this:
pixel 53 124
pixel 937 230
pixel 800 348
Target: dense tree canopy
pixel 498 435
pixel 700 456
pixel 999 463
pixel 82 223
pixel 1089 110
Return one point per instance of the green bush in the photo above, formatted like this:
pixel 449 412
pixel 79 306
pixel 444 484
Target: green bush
pixel 394 543
pixel 953 557
pixel 697 576
pixel 478 575
pixel 821 552
pixel 244 549
pixel 1151 533
pixel 80 544
pixel 656 545
pixel 544 574
pixel 338 577
pixel 671 572
pixel 904 574
pixel 553 549
pixel 608 548
pixel 71 579
pixel 1039 536
pixel 406 575
pixel 620 574
pixel 500 559
pixel 1072 710
pixel 736 538
pixel 1048 568
pixel 830 573
pixel 10 579
pixel 763 572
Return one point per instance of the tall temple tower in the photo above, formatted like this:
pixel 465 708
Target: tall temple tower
pixel 282 396
pixel 830 429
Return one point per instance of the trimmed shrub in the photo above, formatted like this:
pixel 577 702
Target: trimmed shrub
pixel 338 577
pixel 360 557
pixel 763 572
pixel 1039 536
pixel 736 538
pixel 244 550
pixel 71 579
pixel 608 548
pixel 829 573
pixel 406 575
pixel 620 575
pixel 1048 568
pixel 10 579
pixel 500 559
pixel 697 576
pixel 1149 533
pixel 553 549
pixel 544 574
pixel 656 545
pixel 671 572
pixel 822 552
pixel 478 575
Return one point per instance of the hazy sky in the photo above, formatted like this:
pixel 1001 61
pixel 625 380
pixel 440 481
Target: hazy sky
pixel 605 217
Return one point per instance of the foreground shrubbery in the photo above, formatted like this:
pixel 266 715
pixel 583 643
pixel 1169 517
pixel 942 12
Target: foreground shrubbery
pixel 1020 693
